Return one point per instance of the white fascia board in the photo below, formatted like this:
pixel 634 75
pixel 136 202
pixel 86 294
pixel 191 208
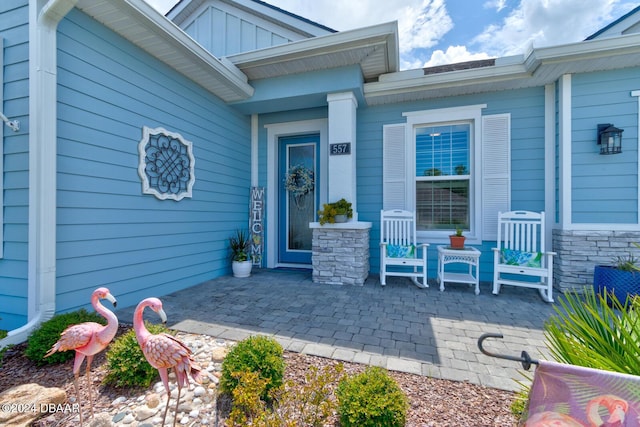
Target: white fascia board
pixel 587 49
pixel 392 85
pixel 376 34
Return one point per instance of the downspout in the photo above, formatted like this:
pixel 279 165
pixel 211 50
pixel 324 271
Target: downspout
pixel 43 23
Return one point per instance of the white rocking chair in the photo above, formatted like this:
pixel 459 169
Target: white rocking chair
pixel 399 251
pixel 522 252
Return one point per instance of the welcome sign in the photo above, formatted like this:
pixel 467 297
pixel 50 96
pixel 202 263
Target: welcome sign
pixel 256 225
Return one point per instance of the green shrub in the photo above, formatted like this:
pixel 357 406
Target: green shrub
pixel 259 354
pixel 126 364
pixel 597 331
pixel 307 404
pixel 371 398
pixel 48 333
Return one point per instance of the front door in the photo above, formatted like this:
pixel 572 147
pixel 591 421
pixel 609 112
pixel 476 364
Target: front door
pixel 298 196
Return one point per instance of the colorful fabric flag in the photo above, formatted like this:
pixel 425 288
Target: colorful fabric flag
pixel 575 396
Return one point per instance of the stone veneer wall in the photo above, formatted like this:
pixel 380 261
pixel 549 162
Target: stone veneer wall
pixel 579 251
pixel 340 256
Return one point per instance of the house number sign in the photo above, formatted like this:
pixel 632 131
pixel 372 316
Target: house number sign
pixel 340 148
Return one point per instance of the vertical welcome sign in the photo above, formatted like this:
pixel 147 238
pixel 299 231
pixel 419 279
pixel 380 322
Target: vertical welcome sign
pixel 256 226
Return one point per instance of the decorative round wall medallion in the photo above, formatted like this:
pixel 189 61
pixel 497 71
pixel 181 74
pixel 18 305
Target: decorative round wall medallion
pixel 166 164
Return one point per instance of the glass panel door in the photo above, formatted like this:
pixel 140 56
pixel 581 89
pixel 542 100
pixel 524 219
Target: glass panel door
pixel 298 197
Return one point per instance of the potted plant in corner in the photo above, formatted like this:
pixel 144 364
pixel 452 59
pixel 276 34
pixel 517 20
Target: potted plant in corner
pixel 339 211
pixel 456 241
pixel 621 279
pixel 239 245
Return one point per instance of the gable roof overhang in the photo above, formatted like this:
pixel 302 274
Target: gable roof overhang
pixel 185 9
pixel 538 67
pixel 143 26
pixel 374 49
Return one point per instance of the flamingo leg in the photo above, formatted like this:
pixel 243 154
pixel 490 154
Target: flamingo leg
pixel 88 375
pixel 77 362
pixel 164 376
pixel 175 415
pixel 75 386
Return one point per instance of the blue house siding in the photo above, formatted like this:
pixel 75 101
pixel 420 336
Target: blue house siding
pixel 108 232
pixel 526 107
pixel 13 266
pixel 605 188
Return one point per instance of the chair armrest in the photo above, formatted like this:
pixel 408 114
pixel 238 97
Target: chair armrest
pixel 424 245
pixel 383 244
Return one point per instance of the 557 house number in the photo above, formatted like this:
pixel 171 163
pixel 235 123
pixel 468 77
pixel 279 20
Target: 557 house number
pixel 340 148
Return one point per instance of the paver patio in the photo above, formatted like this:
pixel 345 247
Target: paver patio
pixel 399 327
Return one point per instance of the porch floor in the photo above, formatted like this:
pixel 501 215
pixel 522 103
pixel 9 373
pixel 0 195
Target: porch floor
pixel 399 327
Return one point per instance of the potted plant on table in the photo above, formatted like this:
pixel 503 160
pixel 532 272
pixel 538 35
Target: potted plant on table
pixel 621 279
pixel 339 211
pixel 239 245
pixel 456 241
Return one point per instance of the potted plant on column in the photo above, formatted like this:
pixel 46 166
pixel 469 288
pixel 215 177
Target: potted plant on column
pixel 339 211
pixel 239 245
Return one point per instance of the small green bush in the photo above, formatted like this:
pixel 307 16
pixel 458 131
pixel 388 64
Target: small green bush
pixel 259 354
pixel 371 398
pixel 309 403
pixel 48 333
pixel 126 364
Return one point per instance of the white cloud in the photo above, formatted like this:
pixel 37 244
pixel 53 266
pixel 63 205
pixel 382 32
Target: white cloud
pixel 544 23
pixel 453 55
pixel 421 26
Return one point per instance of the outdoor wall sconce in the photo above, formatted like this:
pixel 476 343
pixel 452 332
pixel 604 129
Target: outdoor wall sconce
pixel 610 139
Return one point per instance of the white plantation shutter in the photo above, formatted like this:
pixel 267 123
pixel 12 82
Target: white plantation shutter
pixel 496 171
pixel 394 176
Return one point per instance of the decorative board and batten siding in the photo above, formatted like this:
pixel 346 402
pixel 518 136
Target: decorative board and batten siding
pixel 225 30
pixel 109 233
pixel 15 195
pixel 604 188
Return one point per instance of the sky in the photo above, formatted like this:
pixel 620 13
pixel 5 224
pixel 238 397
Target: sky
pixel 436 32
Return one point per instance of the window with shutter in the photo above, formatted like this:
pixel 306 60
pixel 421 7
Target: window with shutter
pixel 451 166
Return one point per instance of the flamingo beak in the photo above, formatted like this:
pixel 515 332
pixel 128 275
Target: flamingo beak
pixel 111 299
pixel 617 415
pixel 162 315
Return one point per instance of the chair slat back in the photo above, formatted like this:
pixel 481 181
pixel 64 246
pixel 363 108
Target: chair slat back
pixel 521 231
pixel 397 227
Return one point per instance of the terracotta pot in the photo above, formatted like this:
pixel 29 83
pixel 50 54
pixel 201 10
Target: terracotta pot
pixel 457 242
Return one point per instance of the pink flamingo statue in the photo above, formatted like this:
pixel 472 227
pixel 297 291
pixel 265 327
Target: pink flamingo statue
pixel 88 339
pixel 163 351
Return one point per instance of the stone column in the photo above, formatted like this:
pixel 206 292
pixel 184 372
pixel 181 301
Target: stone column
pixel 340 253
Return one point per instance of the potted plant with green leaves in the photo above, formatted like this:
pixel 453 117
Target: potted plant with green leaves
pixel 622 278
pixel 241 263
pixel 339 211
pixel 456 241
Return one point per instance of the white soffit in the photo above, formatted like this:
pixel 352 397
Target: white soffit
pixel 374 48
pixel 540 67
pixel 142 25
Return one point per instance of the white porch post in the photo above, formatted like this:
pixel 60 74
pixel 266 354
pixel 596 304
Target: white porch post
pixel 342 167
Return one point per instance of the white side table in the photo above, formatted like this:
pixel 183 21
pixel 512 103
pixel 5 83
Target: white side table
pixel 467 255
